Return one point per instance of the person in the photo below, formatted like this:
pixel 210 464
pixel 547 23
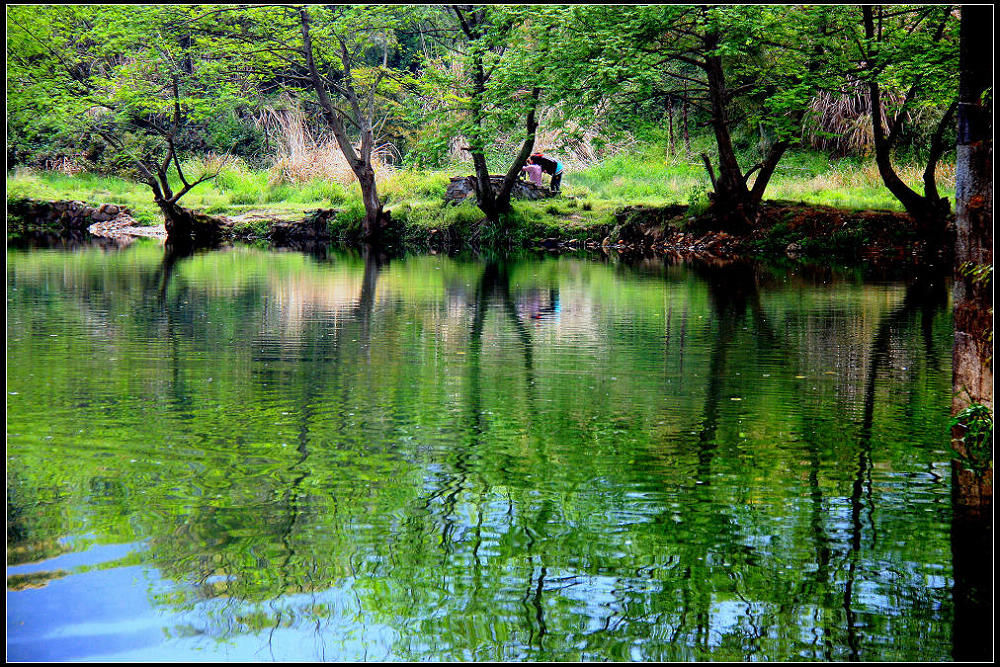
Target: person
pixel 534 172
pixel 549 166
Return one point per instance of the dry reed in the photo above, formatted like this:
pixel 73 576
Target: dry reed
pixel 305 155
pixel 841 122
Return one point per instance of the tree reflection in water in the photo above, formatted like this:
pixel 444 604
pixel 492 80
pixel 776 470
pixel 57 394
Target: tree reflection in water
pixel 553 468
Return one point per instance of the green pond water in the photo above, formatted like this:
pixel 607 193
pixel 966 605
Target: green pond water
pixel 256 455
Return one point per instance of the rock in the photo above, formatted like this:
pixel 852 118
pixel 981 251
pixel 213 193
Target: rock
pixel 322 216
pixel 462 187
pixel 311 229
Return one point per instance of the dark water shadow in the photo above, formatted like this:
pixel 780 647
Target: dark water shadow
pixel 734 295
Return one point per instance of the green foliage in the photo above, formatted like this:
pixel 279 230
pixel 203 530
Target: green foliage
pixel 235 190
pixel 977 273
pixel 88 188
pixel 486 83
pixel 593 194
pixel 230 134
pixel 698 201
pixel 641 177
pixel 414 185
pixel 318 191
pixel 242 185
pixel 76 73
pixel 136 79
pixel 253 229
pixel 976 424
pixel 437 215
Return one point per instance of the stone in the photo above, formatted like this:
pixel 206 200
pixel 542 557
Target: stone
pixel 313 229
pixel 462 187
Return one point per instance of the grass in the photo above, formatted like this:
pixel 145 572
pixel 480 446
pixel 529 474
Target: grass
pixel 592 193
pixel 90 188
pixel 644 178
pixel 233 192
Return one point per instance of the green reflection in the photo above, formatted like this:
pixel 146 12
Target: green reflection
pixel 546 459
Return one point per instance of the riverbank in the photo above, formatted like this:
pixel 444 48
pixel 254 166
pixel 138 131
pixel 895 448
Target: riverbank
pixel 788 229
pixel 641 203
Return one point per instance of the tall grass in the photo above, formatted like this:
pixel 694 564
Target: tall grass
pixel 90 188
pixel 234 190
pixel 850 183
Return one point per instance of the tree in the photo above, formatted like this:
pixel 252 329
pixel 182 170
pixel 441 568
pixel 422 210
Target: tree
pixel 133 76
pixel 973 288
pixel 913 50
pixel 337 58
pixel 751 65
pixel 483 31
pixel 500 53
pixel 972 354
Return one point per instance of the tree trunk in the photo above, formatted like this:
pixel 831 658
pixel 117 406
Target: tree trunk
pixel 361 165
pixel 972 374
pixel 684 123
pixel 375 218
pixel 767 168
pixel 188 229
pixel 530 127
pixel 928 210
pixel 911 201
pixel 485 197
pixel 670 126
pixel 732 204
pixel 972 355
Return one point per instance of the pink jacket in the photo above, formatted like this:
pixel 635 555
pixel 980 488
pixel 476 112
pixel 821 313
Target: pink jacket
pixel 534 173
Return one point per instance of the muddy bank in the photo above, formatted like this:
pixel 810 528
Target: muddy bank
pixel 785 229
